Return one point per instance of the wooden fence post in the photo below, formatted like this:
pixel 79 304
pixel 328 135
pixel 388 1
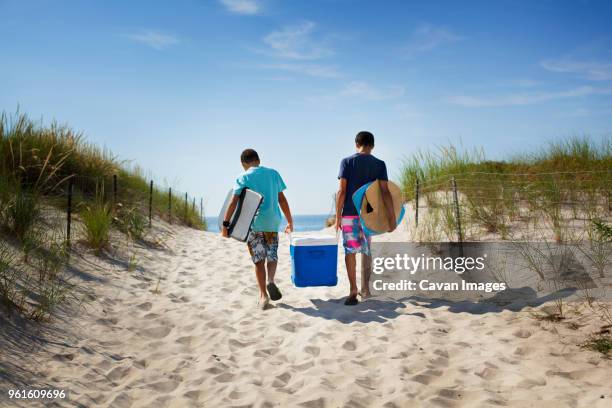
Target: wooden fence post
pixel 186 205
pixel 457 214
pixel 201 208
pixel 416 203
pixel 69 211
pixel 114 190
pixel 170 205
pixel 193 205
pixel 150 202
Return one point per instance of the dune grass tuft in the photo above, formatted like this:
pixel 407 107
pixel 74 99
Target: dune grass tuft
pixel 600 344
pixel 22 212
pixel 97 220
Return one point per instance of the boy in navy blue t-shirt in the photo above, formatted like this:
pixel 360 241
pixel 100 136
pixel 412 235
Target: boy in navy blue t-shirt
pixel 355 171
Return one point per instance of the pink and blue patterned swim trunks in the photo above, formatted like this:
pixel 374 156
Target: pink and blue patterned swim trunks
pixel 355 240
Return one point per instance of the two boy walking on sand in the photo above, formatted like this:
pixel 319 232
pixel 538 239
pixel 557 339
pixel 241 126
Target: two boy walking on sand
pixel 262 242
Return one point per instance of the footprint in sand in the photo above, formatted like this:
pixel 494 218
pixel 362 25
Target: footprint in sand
pixel 182 299
pixel 185 340
pixel 290 327
pixel 284 377
pixel 87 350
pixel 108 321
pixel 146 306
pixel 487 373
pixel 365 382
pixel 522 351
pixel 141 363
pixel 530 383
pixel 450 393
pixel 214 370
pixel 164 386
pixel 522 333
pixel 118 373
pixel 427 376
pixel 303 366
pixel 349 345
pixel 193 395
pixel 156 332
pixel 441 360
pixel 224 378
pixel 237 394
pixel 315 403
pixel 312 350
pixel 265 352
pixel 63 357
pixel 122 400
pixel 237 344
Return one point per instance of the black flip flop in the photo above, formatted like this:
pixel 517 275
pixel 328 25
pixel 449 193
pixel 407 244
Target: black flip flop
pixel 273 291
pixel 351 301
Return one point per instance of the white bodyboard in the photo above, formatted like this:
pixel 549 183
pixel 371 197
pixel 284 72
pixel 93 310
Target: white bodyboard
pixel 246 210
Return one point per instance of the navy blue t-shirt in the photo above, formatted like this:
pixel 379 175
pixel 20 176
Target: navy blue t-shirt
pixel 359 169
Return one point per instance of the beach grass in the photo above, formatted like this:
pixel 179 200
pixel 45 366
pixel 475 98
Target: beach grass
pixel 97 220
pixel 566 180
pixel 569 159
pixel 38 162
pixel 600 344
pixel 42 158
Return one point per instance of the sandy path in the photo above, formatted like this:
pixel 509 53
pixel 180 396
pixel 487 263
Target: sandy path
pixel 201 341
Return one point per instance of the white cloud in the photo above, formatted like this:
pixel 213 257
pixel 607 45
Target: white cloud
pixel 296 42
pixel 368 92
pixel 314 70
pixel 521 83
pixel 594 71
pixel 525 98
pixel 427 37
pixel 154 39
pixel 359 91
pixel 242 6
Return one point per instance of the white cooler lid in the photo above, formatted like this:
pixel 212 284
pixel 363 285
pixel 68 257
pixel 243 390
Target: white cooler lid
pixel 313 239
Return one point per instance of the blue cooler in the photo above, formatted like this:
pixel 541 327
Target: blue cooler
pixel 314 260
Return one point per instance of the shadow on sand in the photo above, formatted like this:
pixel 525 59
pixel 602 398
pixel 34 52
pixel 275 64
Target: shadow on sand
pixel 382 310
pixel 511 299
pixel 370 310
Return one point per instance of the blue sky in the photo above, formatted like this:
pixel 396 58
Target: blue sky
pixel 181 87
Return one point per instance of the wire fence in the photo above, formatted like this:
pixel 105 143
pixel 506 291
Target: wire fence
pixel 58 207
pixel 497 202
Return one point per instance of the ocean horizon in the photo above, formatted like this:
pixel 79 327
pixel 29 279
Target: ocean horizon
pixel 301 222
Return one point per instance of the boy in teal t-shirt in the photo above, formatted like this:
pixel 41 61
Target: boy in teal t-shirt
pixel 262 241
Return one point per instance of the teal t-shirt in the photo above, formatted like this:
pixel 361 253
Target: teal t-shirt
pixel 268 183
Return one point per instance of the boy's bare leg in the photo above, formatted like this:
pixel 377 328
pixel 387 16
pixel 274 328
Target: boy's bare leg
pixel 366 271
pixel 260 272
pixel 351 269
pixel 271 270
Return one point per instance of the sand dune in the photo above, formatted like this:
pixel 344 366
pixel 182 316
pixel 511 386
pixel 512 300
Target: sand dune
pixel 201 342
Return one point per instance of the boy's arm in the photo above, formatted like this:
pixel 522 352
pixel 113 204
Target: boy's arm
pixel 228 213
pixel 340 197
pixel 284 205
pixel 388 201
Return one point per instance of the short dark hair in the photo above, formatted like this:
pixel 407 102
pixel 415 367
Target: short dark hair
pixel 365 139
pixel 249 156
